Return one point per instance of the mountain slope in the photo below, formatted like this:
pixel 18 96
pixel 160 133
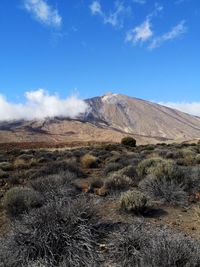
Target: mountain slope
pixel 132 115
pixel 108 118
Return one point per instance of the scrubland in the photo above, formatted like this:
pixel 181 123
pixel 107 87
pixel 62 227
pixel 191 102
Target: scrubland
pixel 101 205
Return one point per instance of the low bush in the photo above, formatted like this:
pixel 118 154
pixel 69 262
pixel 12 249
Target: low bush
pixel 148 166
pixel 116 181
pixel 197 159
pixel 112 167
pixel 24 164
pixel 2 158
pixel 56 168
pixel 54 186
pixel 133 200
pixel 164 190
pixel 19 200
pixel 60 232
pixel 89 161
pixel 143 244
pixel 128 141
pixel 6 166
pixel 3 174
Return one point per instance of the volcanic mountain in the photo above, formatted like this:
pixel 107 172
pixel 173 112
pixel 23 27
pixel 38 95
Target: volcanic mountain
pixel 108 118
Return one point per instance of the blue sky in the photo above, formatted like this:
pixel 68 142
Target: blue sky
pixel 143 48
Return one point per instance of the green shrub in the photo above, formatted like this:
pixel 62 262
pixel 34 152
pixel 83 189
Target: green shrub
pixel 6 166
pixel 130 171
pixel 19 200
pixel 133 200
pixel 150 165
pixel 116 181
pixel 128 141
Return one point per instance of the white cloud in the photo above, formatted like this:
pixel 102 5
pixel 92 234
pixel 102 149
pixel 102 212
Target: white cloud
pixel 192 108
pixel 95 8
pixel 43 12
pixel 140 33
pixel 39 105
pixel 114 18
pixel 175 32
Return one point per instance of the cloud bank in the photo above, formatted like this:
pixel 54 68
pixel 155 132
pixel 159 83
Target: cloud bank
pixel 43 12
pixel 40 104
pixel 192 108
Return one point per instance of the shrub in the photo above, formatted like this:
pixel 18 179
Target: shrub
pixel 2 158
pixel 3 174
pixel 143 244
pixel 6 166
pixel 116 181
pixel 128 141
pixel 165 190
pixel 24 164
pixel 19 200
pixel 54 186
pixel 197 159
pixel 60 232
pixel 133 200
pixel 148 166
pixel 168 248
pixel 56 168
pixel 89 161
pixel 111 167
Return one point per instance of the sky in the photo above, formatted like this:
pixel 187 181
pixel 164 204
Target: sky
pixel 63 50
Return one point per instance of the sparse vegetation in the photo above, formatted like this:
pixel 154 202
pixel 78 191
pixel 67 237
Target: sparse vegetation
pixel 78 207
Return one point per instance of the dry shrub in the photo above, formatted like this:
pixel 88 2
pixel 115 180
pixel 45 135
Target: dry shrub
pixel 116 181
pixel 19 200
pixel 164 190
pixel 23 164
pixel 6 166
pixel 112 167
pixel 133 200
pixel 58 233
pixel 3 174
pixel 142 245
pixel 197 159
pixel 89 161
pixel 54 186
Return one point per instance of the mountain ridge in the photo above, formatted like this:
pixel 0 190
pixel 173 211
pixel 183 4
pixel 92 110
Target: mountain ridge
pixel 109 118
